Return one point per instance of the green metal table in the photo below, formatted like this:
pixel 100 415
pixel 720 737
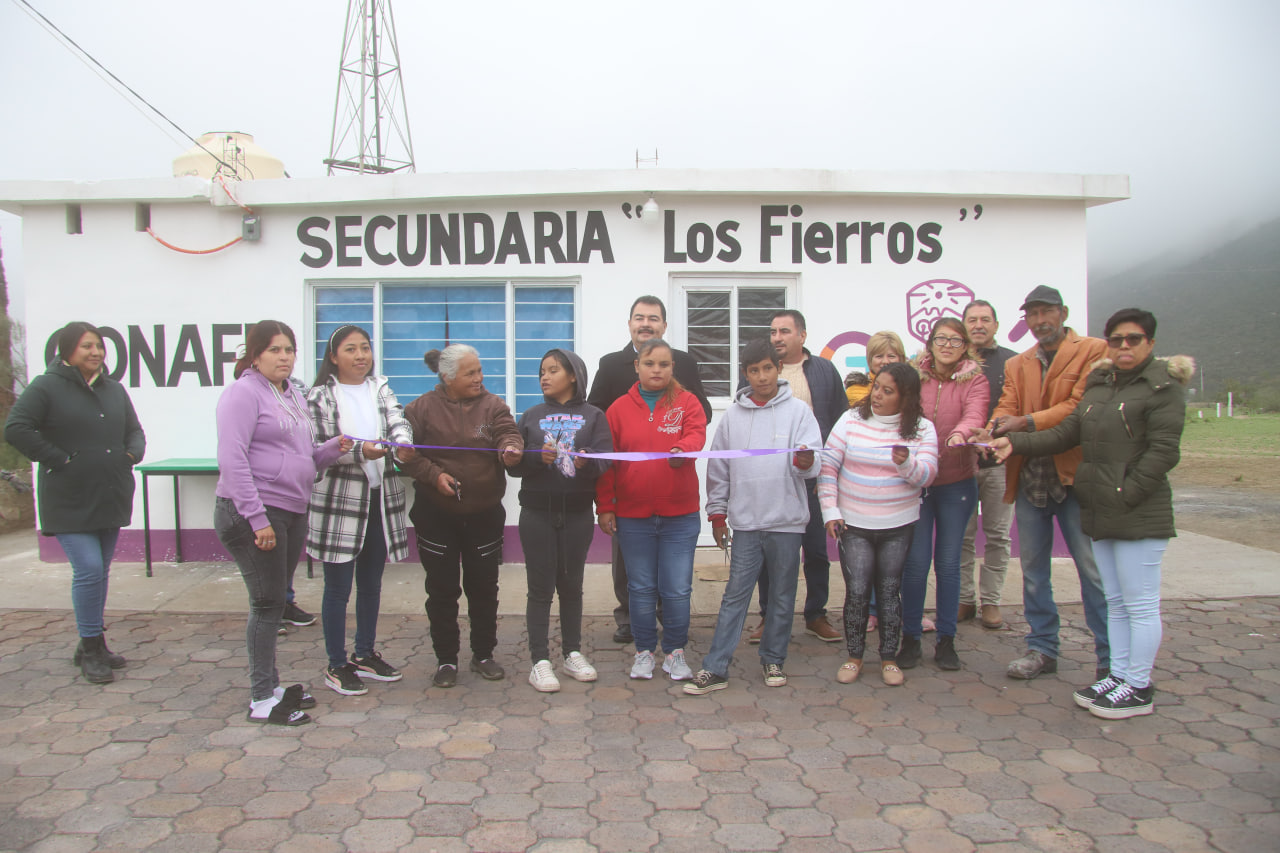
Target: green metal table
pixel 176 468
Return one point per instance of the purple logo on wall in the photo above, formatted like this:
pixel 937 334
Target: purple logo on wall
pixel 929 300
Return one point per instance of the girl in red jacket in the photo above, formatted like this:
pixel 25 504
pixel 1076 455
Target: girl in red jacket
pixel 954 395
pixel 652 506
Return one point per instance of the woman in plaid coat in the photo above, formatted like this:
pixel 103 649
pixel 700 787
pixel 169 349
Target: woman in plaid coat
pixel 357 520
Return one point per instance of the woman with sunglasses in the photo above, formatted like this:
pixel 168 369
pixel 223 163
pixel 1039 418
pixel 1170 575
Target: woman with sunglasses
pixel 1128 425
pixel 954 394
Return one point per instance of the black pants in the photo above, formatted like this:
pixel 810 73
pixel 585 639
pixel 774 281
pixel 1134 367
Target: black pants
pixel 555 546
pixel 266 576
pixel 874 559
pixel 475 541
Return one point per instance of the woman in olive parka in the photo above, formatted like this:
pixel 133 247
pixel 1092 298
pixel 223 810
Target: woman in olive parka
pixel 1129 426
pixel 79 427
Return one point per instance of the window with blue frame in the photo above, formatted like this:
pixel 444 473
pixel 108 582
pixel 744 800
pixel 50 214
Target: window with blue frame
pixel 510 324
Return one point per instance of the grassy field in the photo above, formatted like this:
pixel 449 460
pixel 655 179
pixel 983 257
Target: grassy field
pixel 1242 436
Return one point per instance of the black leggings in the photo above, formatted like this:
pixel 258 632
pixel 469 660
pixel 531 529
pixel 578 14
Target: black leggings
pixel 555 552
pixel 876 557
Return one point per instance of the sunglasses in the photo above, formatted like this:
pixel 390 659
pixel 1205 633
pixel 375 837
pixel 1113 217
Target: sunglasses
pixel 1132 340
pixel 952 343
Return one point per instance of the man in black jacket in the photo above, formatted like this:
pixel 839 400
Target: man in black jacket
pixel 997 516
pixel 816 381
pixel 614 378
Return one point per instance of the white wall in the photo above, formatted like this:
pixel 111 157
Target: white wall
pixel 113 275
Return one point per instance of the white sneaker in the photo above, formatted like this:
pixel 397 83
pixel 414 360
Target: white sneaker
pixel 543 677
pixel 676 667
pixel 577 667
pixel 643 667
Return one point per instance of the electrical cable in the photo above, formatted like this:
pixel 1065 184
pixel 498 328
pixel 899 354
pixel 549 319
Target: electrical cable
pixel 169 245
pixel 126 86
pixel 223 181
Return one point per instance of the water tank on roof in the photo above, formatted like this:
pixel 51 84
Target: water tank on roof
pixel 242 158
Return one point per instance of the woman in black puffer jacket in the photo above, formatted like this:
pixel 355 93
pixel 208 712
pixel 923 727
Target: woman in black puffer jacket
pixel 1129 426
pixel 79 427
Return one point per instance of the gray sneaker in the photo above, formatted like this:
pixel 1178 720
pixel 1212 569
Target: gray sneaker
pixel 676 667
pixel 1031 664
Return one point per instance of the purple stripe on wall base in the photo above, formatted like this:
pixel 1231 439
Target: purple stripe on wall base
pixel 203 546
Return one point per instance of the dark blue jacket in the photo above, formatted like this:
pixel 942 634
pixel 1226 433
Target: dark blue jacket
pixel 993 360
pixel 826 389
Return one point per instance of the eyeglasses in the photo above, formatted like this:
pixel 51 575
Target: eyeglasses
pixel 953 343
pixel 1132 340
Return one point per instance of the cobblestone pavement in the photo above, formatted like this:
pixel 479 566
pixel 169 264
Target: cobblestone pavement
pixel 163 758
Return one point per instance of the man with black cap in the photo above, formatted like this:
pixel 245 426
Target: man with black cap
pixel 1041 387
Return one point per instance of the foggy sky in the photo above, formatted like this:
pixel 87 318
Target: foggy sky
pixel 1181 96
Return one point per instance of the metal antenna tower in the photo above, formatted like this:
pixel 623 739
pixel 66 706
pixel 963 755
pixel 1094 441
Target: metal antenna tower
pixel 370 121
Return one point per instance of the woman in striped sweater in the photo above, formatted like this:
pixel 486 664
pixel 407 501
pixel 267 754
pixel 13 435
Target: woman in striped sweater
pixel 877 459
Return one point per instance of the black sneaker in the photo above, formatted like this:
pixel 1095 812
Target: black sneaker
pixel 446 675
pixel 345 680
pixel 1124 701
pixel 944 654
pixel 375 668
pixel 705 682
pixel 909 652
pixel 295 615
pixel 1088 695
pixel 622 636
pixel 488 668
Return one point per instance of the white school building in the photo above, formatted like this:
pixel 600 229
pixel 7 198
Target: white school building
pixel 514 264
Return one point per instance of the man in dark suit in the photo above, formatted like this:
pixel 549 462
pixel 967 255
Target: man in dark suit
pixel 614 378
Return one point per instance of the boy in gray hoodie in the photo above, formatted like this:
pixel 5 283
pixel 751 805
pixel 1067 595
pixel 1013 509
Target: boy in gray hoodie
pixel 765 500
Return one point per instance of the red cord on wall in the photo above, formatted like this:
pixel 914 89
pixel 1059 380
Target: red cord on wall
pixel 169 245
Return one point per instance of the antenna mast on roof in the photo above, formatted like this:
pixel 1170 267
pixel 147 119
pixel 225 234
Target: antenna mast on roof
pixel 370 121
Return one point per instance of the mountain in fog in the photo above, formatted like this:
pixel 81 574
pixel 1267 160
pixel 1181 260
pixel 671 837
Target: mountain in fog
pixel 1222 308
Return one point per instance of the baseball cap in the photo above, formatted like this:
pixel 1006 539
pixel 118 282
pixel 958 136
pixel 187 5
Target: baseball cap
pixel 1043 294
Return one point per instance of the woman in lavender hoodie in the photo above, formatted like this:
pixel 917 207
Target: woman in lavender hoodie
pixel 267 462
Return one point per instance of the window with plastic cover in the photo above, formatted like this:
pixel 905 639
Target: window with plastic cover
pixel 510 325
pixel 720 321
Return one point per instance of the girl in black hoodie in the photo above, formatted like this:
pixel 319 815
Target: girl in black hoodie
pixel 556 510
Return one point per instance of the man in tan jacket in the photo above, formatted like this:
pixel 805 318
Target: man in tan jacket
pixel 1042 387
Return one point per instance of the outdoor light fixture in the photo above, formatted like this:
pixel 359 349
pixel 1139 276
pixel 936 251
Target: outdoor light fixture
pixel 651 210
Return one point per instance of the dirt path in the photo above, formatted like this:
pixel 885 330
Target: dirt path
pixel 1232 498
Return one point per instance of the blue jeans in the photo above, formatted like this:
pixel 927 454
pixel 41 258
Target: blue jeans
pixel 756 554
pixel 873 560
pixel 1035 551
pixel 366 569
pixel 1130 573
pixel 90 555
pixel 659 555
pixel 817 565
pixel 939 533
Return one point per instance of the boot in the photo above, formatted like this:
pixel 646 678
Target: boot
pixel 94 665
pixel 945 654
pixel 909 652
pixel 114 660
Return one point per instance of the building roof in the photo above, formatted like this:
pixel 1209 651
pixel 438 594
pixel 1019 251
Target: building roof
pixel 355 189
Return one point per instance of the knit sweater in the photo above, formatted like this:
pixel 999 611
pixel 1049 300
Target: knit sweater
pixel 859 482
